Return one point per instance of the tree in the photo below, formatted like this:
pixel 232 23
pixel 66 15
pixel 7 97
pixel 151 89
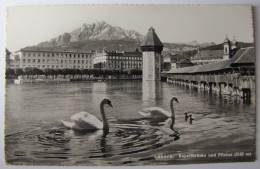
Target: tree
pixel 32 71
pixel 47 72
pixel 106 72
pixel 97 72
pixel 19 72
pixel 58 72
pixel 79 72
pixel 76 72
pixel 87 72
pixel 65 72
pixel 136 72
pixel 9 73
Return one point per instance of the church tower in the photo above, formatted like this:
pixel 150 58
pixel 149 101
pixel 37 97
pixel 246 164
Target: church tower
pixel 234 44
pixel 152 59
pixel 227 48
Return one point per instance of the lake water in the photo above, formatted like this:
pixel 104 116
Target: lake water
pixel 34 134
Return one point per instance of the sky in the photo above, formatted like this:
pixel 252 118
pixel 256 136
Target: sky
pixel 30 25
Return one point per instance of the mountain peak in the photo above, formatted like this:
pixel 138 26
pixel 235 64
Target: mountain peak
pixel 99 30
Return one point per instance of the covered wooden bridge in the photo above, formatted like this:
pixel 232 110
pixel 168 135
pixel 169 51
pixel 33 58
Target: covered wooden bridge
pixel 235 76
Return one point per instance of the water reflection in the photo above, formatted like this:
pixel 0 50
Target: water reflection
pixel 33 135
pixel 176 133
pixel 152 91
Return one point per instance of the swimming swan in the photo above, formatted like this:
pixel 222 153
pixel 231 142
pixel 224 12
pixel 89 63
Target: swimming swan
pixel 86 121
pixel 159 113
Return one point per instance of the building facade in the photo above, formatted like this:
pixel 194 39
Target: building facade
pixel 175 61
pixel 212 56
pixel 55 58
pixel 118 60
pixel 7 58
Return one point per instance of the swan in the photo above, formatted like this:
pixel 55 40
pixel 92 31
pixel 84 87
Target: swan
pixel 186 115
pixel 191 118
pixel 86 121
pixel 159 113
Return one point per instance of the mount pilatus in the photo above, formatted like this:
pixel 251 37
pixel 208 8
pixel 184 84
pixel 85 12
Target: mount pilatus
pixel 102 36
pixel 99 31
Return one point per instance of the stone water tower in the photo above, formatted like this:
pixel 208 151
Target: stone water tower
pixel 152 60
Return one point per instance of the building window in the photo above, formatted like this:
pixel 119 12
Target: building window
pixel 39 60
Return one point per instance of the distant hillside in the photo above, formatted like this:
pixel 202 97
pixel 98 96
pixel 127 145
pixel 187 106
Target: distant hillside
pixel 221 46
pixel 112 45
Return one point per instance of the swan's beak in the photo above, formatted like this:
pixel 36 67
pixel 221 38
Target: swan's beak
pixel 110 105
pixel 176 100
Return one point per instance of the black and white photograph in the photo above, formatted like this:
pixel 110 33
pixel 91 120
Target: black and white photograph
pixel 129 85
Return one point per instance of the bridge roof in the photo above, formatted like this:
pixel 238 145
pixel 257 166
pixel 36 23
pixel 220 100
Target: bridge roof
pixel 244 55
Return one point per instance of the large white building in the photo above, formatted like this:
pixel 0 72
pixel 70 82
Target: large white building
pixel 118 60
pixel 55 58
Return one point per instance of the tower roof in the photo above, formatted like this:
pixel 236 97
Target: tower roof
pixel 152 39
pixel 226 40
pixel 234 41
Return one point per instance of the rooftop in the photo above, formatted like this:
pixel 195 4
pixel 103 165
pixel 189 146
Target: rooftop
pixel 49 49
pixel 243 55
pixel 151 39
pixel 208 55
pixel 185 61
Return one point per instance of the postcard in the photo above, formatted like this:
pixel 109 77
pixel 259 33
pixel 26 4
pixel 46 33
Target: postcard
pixel 129 85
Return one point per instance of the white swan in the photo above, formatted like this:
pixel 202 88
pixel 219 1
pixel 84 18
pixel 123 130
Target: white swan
pixel 86 121
pixel 159 113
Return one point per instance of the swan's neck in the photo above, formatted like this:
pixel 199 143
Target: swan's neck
pixel 103 116
pixel 173 114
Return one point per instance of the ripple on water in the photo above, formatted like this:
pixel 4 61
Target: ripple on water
pixel 125 138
